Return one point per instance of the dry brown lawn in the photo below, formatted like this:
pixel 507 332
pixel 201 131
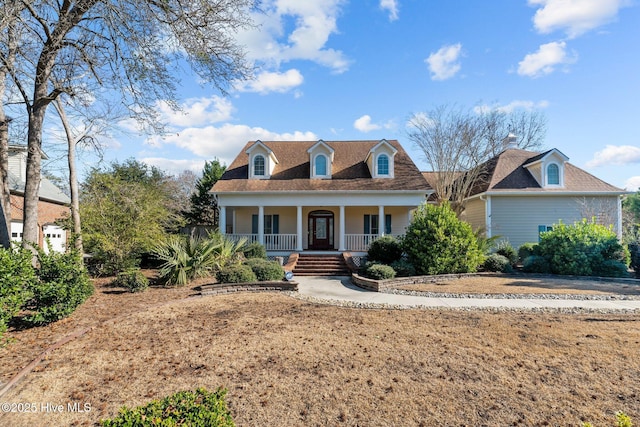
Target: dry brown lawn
pixel 498 284
pixel 288 362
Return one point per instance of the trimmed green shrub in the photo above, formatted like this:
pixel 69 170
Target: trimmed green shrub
pixel 17 278
pixel 265 270
pixel 132 279
pixel 583 249
pixel 240 273
pixel 384 250
pixel 526 250
pixel 380 272
pixel 437 242
pixel 186 408
pixel 403 268
pixel 506 250
pixel 634 251
pixel 63 284
pixel 497 262
pixel 536 264
pixel 254 250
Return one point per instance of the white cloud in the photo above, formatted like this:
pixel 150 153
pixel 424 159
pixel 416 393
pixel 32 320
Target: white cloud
pixel 313 23
pixel 513 105
pixel 545 60
pixel 444 63
pixel 197 111
pixel 267 82
pixel 363 124
pixel 392 7
pixel 224 142
pixel 575 17
pixel 632 184
pixel 174 166
pixel 615 155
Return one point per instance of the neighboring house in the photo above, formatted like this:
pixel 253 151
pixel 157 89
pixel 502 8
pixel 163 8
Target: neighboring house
pixel 525 193
pixel 319 195
pixel 53 204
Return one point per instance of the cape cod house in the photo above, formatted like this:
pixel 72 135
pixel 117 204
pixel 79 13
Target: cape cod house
pixel 525 193
pixel 319 195
pixel 53 204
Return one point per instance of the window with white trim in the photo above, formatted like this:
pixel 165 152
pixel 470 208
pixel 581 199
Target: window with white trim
pixel 383 164
pixel 258 166
pixel 320 165
pixel 553 174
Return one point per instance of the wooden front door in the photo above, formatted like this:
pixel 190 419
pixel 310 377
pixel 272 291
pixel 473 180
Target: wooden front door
pixel 321 230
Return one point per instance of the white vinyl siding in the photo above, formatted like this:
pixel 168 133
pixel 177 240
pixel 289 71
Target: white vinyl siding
pixel 517 218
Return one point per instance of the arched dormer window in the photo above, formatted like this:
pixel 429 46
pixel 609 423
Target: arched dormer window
pixel 383 164
pixel 553 174
pixel 258 166
pixel 320 165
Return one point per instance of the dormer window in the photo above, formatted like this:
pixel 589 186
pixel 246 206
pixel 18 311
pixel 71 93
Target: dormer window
pixel 383 165
pixel 553 174
pixel 258 165
pixel 262 161
pixel 380 160
pixel 320 165
pixel 320 160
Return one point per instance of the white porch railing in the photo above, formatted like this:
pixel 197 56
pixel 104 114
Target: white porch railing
pixel 280 242
pixel 288 242
pixel 272 242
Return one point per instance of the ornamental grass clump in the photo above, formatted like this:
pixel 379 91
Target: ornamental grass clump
pixel 437 242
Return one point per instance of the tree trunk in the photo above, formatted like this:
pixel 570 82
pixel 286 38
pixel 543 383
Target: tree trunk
pixel 5 194
pixel 31 230
pixel 73 176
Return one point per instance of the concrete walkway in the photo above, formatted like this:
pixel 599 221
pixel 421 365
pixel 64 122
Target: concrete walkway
pixel 340 289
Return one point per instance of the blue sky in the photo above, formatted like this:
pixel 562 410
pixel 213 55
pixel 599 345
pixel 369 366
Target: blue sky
pixel 343 70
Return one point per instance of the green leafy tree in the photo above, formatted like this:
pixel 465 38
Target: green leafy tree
pixel 437 242
pixel 125 211
pixel 204 207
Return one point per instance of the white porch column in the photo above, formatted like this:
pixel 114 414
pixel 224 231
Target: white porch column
pixel 299 229
pixel 619 219
pixel 222 220
pixel 261 224
pixel 381 221
pixel 341 242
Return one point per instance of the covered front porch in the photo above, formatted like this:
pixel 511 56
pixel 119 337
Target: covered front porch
pixel 283 229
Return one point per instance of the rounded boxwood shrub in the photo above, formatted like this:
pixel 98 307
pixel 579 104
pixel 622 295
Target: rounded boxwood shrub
pixel 497 262
pixel 380 272
pixel 583 249
pixel 254 250
pixel 131 279
pixel 526 250
pixel 634 250
pixel 536 264
pixel 403 268
pixel 186 408
pixel 239 273
pixel 437 242
pixel 384 250
pixel 265 270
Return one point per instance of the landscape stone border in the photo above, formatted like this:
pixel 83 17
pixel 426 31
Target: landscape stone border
pixel 392 284
pixel 267 286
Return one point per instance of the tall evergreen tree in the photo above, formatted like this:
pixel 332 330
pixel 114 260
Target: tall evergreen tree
pixel 204 206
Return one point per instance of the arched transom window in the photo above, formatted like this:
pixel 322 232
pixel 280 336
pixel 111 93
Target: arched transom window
pixel 383 164
pixel 258 166
pixel 320 165
pixel 553 174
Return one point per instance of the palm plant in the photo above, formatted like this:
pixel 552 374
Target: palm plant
pixel 188 258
